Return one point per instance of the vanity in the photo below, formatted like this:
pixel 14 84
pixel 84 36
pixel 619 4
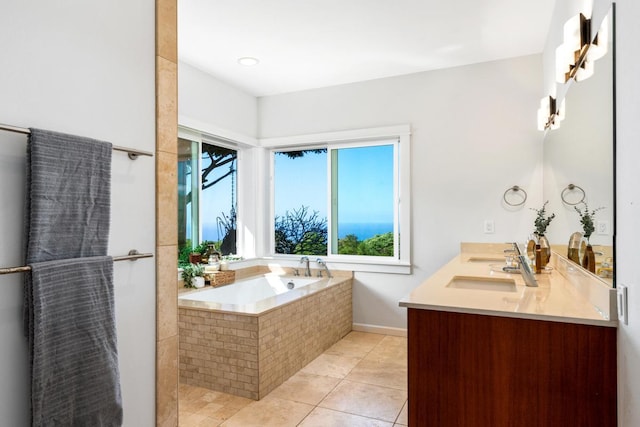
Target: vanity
pixel 486 350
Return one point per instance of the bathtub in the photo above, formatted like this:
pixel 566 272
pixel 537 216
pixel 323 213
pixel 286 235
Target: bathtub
pixel 250 295
pixel 249 337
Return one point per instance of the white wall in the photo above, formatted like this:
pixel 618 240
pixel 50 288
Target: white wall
pixel 209 105
pixel 473 137
pixel 628 207
pixel 85 68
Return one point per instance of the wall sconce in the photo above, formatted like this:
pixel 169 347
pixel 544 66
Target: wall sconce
pixel 549 117
pixel 575 56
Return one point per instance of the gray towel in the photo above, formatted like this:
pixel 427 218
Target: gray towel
pixel 75 377
pixel 68 310
pixel 69 196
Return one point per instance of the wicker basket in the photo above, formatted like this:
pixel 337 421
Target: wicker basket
pixel 219 278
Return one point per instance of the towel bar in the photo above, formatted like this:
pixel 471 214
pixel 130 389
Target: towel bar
pixel 133 154
pixel 132 256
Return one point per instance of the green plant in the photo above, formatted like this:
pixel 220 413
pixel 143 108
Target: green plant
pixel 541 223
pixel 203 246
pixel 190 271
pixel 187 249
pixel 183 254
pixel 586 219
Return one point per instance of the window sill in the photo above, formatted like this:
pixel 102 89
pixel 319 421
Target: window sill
pixel 368 266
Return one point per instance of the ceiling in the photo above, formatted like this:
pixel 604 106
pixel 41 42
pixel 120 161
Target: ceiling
pixel 306 44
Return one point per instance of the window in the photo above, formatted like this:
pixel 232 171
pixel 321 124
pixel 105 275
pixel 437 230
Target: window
pixel 207 200
pixel 340 200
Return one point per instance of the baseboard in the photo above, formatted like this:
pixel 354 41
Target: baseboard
pixel 375 329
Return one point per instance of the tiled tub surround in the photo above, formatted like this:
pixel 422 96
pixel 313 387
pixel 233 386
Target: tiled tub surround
pixel 248 350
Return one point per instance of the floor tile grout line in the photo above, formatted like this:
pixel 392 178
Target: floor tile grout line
pixel 406 402
pixel 378 345
pixel 360 415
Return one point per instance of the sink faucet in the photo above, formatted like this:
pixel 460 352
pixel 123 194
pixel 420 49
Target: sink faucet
pixel 525 269
pixel 323 264
pixel 305 260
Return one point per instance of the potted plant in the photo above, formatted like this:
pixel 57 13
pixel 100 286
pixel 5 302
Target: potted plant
pixel 586 219
pixel 192 274
pixel 541 223
pixel 588 227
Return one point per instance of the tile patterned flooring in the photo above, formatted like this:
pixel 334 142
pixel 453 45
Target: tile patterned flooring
pixel 361 381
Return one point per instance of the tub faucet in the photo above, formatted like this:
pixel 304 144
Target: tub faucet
pixel 305 260
pixel 525 269
pixel 323 264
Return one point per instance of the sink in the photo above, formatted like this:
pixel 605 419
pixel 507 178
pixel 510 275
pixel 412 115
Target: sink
pixel 485 259
pixel 499 284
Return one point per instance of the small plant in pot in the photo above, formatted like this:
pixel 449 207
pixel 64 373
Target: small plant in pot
pixel 192 274
pixel 541 223
pixel 586 219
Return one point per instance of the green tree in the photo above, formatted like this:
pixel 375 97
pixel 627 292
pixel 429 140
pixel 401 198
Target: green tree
pixel 379 245
pixel 348 245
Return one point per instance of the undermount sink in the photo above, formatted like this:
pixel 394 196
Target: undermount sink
pixel 483 283
pixel 485 259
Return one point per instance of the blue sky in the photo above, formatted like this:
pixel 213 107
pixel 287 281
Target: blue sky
pixel 366 184
pixel 365 193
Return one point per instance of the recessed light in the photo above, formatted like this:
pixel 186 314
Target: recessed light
pixel 248 61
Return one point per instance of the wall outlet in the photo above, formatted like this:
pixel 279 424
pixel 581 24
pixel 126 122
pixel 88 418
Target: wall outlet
pixel 603 227
pixel 623 315
pixel 489 226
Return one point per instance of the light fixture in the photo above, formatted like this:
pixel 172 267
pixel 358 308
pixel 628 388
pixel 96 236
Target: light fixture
pixel 248 61
pixel 549 117
pixel 575 56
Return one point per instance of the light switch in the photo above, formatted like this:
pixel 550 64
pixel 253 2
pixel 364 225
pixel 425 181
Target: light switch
pixel 602 227
pixel 489 226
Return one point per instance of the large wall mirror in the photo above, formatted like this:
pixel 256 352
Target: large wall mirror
pixel 579 162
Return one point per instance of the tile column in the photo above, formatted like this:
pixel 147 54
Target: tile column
pixel 166 213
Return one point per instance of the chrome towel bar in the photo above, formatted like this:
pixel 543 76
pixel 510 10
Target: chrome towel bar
pixel 133 154
pixel 131 256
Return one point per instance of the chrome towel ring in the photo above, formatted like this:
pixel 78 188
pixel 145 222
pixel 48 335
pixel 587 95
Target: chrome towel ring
pixel 515 189
pixel 570 188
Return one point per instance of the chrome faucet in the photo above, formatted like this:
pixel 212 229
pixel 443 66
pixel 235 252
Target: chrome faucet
pixel 305 260
pixel 525 269
pixel 323 264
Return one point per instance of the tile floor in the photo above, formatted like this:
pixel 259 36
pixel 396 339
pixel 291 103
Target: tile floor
pixel 361 381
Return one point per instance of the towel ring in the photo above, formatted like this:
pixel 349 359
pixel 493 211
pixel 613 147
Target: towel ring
pixel 514 189
pixel 569 188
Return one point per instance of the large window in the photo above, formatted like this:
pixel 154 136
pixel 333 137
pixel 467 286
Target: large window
pixel 339 200
pixel 207 175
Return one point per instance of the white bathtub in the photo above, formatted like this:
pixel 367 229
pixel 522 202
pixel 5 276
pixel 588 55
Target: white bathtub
pixel 253 295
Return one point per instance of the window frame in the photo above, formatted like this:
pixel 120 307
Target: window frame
pixel 203 138
pixel 401 261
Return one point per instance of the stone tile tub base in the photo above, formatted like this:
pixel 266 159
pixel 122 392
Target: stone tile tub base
pixel 249 355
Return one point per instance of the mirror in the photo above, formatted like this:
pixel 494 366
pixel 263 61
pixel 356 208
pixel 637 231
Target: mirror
pixel 581 153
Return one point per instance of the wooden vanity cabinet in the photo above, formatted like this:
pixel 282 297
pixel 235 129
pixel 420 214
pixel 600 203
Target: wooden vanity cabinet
pixel 469 370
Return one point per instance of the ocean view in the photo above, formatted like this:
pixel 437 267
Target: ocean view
pixel 364 230
pixel 361 230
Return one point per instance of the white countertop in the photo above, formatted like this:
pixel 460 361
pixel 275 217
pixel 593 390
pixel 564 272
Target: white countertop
pixel 557 298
